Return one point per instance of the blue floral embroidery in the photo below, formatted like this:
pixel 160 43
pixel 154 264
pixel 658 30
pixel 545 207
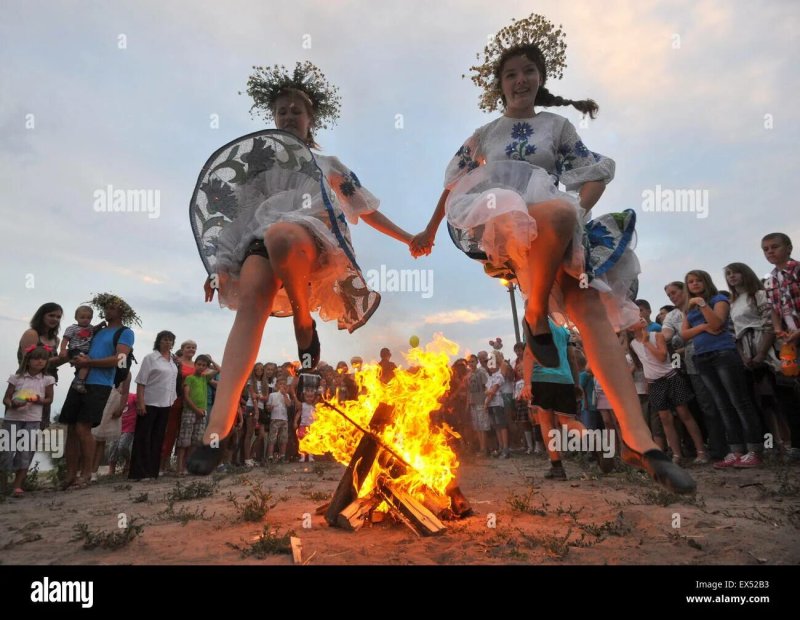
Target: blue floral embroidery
pixel 465 158
pixel 581 150
pixel 521 131
pixel 567 155
pixel 599 235
pixel 519 148
pixel 349 186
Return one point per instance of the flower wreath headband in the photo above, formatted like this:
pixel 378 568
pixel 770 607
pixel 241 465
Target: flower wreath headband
pixel 266 84
pixel 128 314
pixel 533 30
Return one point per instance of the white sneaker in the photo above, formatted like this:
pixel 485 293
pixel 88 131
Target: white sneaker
pixel 310 458
pixel 93 478
pixel 249 463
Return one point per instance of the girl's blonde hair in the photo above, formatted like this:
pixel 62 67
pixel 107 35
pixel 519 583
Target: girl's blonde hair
pixel 185 342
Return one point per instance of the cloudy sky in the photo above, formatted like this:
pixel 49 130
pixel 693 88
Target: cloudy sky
pixel 693 96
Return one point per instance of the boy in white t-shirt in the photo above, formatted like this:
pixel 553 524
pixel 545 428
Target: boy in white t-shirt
pixel 495 405
pixel 278 404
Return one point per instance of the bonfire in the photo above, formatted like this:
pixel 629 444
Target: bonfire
pixel 398 461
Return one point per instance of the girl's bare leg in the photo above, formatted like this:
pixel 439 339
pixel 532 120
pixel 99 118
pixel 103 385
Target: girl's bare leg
pixel 691 427
pixel 555 222
pixel 292 253
pixel 99 451
pixel 607 360
pixel 547 422
pixel 673 439
pixel 249 432
pixel 258 286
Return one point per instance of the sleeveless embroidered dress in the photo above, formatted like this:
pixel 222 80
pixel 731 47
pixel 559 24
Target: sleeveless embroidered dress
pixel 267 177
pixel 509 164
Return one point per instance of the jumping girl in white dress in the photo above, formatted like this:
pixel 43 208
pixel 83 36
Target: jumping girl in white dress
pixel 504 208
pixel 270 219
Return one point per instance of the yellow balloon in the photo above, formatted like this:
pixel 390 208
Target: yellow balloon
pixel 414 341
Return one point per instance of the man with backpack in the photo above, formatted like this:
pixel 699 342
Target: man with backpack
pixel 109 360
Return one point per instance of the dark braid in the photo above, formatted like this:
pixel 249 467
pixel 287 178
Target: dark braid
pixel 545 98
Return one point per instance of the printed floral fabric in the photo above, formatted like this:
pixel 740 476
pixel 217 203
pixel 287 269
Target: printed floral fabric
pixel 510 164
pixel 268 177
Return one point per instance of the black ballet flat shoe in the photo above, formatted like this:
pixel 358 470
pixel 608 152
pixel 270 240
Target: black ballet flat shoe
pixel 311 354
pixel 542 346
pixel 203 460
pixel 661 469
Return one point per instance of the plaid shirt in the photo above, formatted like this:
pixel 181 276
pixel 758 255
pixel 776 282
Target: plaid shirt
pixel 783 290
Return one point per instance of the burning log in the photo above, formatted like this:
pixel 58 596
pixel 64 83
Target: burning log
pixel 419 518
pixel 459 504
pixel 360 465
pixel 450 506
pixel 358 513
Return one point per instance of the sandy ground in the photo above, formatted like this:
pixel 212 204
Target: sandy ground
pixel 740 517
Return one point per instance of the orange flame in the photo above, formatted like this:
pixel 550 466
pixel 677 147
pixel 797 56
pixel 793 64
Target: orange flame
pixel 415 393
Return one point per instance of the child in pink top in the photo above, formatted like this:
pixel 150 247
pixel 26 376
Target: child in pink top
pixel 121 449
pixel 29 390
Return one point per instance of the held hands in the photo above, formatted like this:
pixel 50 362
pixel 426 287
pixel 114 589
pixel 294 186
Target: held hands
pixel 421 244
pixel 209 288
pixel 526 394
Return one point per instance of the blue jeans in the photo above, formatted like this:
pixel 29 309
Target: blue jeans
pixel 723 374
pixel 712 420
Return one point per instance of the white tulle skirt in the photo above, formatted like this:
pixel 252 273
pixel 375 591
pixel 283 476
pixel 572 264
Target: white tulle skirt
pixel 487 211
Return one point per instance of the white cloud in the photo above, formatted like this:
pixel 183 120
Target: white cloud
pixel 463 315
